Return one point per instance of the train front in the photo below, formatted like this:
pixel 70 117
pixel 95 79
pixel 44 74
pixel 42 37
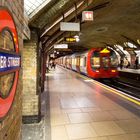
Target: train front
pixel 102 63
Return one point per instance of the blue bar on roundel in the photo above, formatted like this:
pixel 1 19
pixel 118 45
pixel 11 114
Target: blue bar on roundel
pixel 9 61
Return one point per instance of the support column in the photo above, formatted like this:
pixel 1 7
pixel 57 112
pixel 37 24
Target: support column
pixel 31 78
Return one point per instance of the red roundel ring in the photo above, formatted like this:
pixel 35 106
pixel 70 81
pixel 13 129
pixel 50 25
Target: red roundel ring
pixel 7 23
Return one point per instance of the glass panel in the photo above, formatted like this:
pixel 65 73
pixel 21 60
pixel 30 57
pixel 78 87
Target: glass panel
pixel 105 62
pixel 77 61
pixel 85 60
pixel 33 6
pixel 113 59
pixel 95 60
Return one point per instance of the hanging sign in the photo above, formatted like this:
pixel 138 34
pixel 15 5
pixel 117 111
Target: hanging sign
pixel 70 39
pixel 10 61
pixel 60 46
pixel 69 26
pixel 87 16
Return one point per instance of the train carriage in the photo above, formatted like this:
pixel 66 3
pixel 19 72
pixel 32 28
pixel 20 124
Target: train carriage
pixel 95 63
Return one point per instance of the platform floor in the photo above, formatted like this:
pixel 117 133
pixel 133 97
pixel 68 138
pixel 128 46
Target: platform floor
pixel 81 111
pixel 74 108
pixel 137 71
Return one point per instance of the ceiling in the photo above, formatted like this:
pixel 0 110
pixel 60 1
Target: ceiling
pixel 115 22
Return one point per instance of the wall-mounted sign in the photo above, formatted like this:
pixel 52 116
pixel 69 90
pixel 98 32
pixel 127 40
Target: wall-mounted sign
pixel 9 61
pixel 87 16
pixel 69 26
pixel 60 46
pixel 70 39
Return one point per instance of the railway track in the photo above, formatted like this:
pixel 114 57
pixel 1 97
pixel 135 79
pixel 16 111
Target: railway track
pixel 127 87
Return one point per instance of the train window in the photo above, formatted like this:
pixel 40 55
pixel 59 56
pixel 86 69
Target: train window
pixel 113 59
pixel 73 61
pixel 6 41
pixel 82 61
pixel 85 60
pixel 78 61
pixel 95 60
pixel 70 60
pixel 105 62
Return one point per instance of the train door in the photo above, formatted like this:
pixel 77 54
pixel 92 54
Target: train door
pixel 78 63
pixel 70 64
pixel 105 62
pixel 65 65
pixel 83 64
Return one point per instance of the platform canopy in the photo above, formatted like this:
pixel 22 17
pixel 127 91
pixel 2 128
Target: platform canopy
pixel 33 6
pixel 115 22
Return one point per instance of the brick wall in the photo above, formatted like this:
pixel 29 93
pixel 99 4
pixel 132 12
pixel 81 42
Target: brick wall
pixel 31 90
pixel 10 127
pixel 30 97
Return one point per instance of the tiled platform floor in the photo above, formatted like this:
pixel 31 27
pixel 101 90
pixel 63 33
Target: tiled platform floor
pixel 81 112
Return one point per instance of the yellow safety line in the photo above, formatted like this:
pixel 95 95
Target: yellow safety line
pixel 112 90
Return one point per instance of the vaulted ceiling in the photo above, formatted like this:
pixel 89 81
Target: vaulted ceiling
pixel 115 22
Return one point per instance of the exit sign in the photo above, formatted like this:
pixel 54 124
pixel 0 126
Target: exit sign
pixel 87 16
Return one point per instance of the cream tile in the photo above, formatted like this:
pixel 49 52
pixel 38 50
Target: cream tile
pixel 59 133
pixel 79 117
pixel 90 109
pixel 61 119
pixel 96 138
pixel 102 116
pixel 129 126
pixel 80 131
pixel 110 106
pixel 68 103
pixel 71 110
pixel 125 137
pixel 123 114
pixel 84 102
pixel 55 110
pixel 107 128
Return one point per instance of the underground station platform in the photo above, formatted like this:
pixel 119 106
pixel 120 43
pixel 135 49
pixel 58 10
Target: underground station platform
pixel 84 109
pixel 69 70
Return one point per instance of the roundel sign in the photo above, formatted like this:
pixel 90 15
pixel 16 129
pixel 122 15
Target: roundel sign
pixel 9 61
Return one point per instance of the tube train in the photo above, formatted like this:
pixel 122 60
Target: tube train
pixel 96 63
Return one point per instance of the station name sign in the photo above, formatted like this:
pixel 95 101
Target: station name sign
pixel 9 61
